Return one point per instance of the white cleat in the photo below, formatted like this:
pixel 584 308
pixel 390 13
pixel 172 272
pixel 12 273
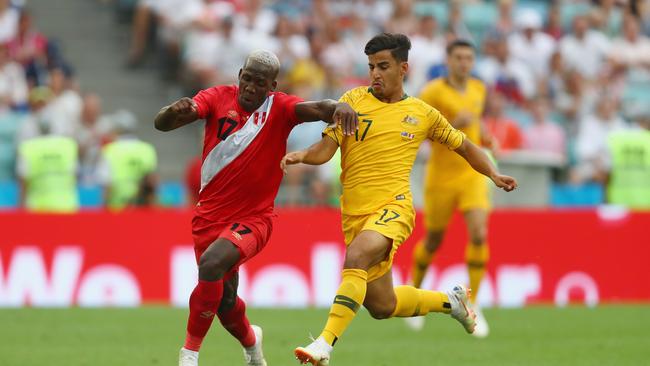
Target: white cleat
pixel 460 310
pixel 415 323
pixel 187 357
pixel 317 353
pixel 482 329
pixel 254 355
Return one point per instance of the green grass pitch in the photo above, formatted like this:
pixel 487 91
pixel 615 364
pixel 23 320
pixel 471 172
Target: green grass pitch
pixel 536 336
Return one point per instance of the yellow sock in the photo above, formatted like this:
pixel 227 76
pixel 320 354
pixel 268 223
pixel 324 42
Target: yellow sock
pixel 347 301
pixel 476 257
pixel 413 301
pixel 421 261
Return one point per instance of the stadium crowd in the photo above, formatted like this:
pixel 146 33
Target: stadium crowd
pixel 564 76
pixel 55 137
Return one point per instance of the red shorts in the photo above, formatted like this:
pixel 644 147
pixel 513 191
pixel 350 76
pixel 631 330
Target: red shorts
pixel 249 235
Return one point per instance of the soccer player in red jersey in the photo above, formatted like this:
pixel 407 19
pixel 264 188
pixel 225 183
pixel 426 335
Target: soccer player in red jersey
pixel 245 139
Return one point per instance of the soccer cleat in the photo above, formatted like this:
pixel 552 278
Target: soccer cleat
pixel 415 323
pixel 482 329
pixel 317 353
pixel 458 297
pixel 187 357
pixel 253 354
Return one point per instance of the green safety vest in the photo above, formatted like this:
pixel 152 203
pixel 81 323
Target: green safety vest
pixel 129 161
pixel 51 174
pixel 629 183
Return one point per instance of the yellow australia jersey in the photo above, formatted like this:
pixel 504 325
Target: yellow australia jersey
pixel 446 167
pixel 376 162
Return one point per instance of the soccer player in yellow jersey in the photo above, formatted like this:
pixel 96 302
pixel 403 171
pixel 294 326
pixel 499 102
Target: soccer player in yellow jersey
pixel 452 184
pixel 376 205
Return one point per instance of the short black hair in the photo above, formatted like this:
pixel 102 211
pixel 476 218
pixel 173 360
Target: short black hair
pixel 398 44
pixel 459 43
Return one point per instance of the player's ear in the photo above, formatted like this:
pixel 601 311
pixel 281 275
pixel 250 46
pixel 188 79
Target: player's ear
pixel 404 68
pixel 274 85
pixel 239 75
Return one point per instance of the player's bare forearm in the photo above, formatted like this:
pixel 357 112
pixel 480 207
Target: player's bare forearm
pixel 317 154
pixel 176 115
pixel 330 111
pixel 480 162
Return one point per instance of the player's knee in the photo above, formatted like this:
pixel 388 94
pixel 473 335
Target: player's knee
pixel 434 239
pixel 212 267
pixel 355 258
pixel 478 235
pixel 381 311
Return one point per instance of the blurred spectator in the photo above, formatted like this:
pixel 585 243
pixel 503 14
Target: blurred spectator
pixel 591 142
pixel 47 170
pixel 403 19
pixel 505 73
pixel 456 28
pixel 575 100
pixel 8 21
pixel 288 45
pixel 298 178
pixel 308 78
pixel 632 50
pixel 428 49
pixel 90 135
pixel 584 50
pixel 127 165
pixel 29 48
pixel 505 131
pixel 554 81
pixel 544 135
pixel 39 97
pixel 375 12
pixel 337 62
pixel 530 45
pixel 13 85
pixel 504 23
pixel 257 19
pixel 9 125
pixel 208 61
pixel 607 16
pixel 64 109
pixel 355 41
pixel 553 26
pixel 629 170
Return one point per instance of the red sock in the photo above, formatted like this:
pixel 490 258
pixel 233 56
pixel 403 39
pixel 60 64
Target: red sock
pixel 236 322
pixel 204 303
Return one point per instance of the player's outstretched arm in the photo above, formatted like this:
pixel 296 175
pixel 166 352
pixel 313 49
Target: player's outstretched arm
pixel 479 160
pixel 177 114
pixel 329 110
pixel 317 154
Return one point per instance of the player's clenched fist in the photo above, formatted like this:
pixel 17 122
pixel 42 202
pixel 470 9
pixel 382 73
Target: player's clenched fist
pixel 505 182
pixel 292 158
pixel 346 117
pixel 184 106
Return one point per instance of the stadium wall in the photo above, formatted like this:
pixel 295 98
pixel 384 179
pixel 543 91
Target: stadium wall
pixel 144 257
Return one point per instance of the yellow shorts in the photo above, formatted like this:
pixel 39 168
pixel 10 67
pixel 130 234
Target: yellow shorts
pixel 394 220
pixel 440 201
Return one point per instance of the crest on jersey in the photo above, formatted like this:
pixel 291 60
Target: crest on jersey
pixel 232 114
pixel 410 120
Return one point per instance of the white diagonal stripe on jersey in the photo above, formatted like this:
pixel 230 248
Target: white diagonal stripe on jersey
pixel 227 150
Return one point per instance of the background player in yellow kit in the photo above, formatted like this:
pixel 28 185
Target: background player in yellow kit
pixel 450 183
pixel 376 205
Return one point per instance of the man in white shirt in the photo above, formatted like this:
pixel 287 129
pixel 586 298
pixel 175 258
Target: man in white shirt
pixel 531 46
pixel 585 49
